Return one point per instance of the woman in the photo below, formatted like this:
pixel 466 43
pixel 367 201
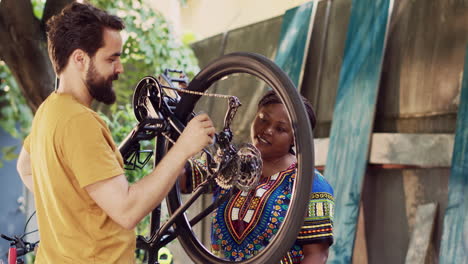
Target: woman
pixel 245 223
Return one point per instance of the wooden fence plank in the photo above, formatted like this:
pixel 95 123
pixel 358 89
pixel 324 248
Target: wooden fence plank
pixel 420 150
pixel 360 247
pixel 423 150
pixel 294 40
pixel 354 116
pixel 454 244
pixel 418 249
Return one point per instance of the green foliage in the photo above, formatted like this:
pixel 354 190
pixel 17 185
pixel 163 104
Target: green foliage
pixel 15 115
pixel 38 8
pixel 188 38
pixel 30 258
pixel 9 153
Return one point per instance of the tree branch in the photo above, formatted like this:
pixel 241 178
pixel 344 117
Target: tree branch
pixel 53 7
pixel 18 12
pixel 24 50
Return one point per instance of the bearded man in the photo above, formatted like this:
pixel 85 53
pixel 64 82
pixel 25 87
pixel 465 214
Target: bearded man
pixel 86 209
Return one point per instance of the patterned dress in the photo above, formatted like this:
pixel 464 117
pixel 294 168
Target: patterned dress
pixel 244 224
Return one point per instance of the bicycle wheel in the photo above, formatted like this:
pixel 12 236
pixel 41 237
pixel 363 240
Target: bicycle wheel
pixel 261 68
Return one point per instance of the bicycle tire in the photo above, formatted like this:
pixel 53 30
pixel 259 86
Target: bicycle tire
pixel 264 69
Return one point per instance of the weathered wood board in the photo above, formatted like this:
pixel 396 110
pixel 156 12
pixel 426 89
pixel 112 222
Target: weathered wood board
pixel 454 244
pixel 294 40
pixel 418 250
pixel 353 117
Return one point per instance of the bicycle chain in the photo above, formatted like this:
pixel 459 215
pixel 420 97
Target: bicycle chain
pixel 244 182
pixel 198 93
pixel 195 93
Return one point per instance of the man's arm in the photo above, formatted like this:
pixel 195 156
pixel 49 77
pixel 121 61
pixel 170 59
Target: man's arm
pixel 128 204
pixel 24 169
pixel 315 253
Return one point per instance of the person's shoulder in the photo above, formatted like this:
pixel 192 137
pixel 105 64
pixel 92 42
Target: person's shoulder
pixel 72 111
pixel 59 110
pixel 63 105
pixel 86 120
pixel 321 185
pixel 70 115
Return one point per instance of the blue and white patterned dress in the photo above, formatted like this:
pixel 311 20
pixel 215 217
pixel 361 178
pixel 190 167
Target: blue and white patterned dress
pixel 244 224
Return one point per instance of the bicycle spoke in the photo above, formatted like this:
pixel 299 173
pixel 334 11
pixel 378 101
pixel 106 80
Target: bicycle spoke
pixel 237 160
pixel 199 191
pixel 209 209
pixel 234 164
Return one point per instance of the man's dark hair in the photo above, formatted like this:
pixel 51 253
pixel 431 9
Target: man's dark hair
pixel 272 98
pixel 78 26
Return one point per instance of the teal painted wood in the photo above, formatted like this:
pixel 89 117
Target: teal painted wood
pixel 294 41
pixel 353 117
pixel 454 244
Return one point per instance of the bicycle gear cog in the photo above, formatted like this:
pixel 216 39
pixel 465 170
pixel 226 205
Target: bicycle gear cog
pixel 225 176
pixel 147 99
pixel 243 171
pixel 249 167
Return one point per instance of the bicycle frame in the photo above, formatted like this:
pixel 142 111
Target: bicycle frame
pixel 12 255
pixel 170 126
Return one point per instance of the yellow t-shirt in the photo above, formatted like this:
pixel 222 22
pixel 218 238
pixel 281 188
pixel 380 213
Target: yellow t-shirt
pixel 71 147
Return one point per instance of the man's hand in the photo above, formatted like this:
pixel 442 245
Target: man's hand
pixel 197 135
pixel 128 204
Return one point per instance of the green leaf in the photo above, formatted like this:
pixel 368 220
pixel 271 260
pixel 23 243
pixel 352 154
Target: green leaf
pixel 9 153
pixel 15 115
pixel 188 38
pixel 38 8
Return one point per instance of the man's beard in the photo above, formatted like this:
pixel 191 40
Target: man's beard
pixel 99 87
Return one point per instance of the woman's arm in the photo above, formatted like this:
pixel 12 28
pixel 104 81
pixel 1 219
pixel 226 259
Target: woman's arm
pixel 315 253
pixel 183 178
pixel 318 222
pixel 192 175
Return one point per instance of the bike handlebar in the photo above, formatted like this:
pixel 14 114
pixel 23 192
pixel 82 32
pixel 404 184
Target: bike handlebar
pixel 22 247
pixel 7 238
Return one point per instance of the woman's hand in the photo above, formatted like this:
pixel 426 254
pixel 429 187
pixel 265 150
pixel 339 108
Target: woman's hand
pixel 315 253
